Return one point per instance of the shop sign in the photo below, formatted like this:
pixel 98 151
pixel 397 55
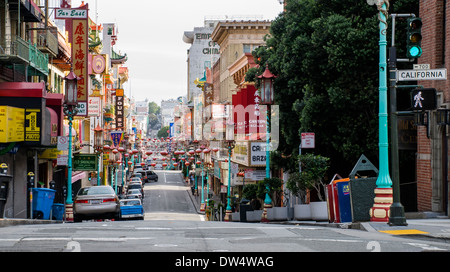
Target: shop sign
pixel 258 154
pixel 12 122
pixel 33 122
pixel 85 162
pixel 70 14
pixel 80 55
pixel 119 109
pixel 94 106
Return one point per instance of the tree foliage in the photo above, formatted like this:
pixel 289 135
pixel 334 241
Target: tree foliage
pixel 325 54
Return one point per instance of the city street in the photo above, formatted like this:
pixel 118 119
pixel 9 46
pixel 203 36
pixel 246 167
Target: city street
pixel 172 225
pixel 168 199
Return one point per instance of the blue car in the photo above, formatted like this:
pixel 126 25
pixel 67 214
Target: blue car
pixel 131 209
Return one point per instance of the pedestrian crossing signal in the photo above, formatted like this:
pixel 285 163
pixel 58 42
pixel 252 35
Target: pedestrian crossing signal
pixel 414 37
pixel 423 99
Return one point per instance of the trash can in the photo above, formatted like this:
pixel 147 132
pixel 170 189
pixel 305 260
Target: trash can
pixel 362 184
pixel 338 199
pixel 244 207
pixel 58 211
pixel 42 202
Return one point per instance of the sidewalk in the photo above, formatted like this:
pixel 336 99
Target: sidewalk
pixel 428 224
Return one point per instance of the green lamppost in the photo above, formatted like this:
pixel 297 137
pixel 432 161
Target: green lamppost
pixel 266 95
pixel 230 142
pixel 98 146
pixel 70 110
pixel 383 192
pixel 206 152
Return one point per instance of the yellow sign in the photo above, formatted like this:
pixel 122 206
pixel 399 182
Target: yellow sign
pixel 12 123
pixel 33 130
pixel 50 154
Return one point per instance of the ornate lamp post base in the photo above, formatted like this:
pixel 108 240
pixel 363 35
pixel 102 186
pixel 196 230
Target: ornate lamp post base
pixel 69 212
pixel 380 211
pixel 264 218
pixel 227 216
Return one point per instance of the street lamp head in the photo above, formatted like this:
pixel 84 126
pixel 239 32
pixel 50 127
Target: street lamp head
pixel 266 89
pixel 71 94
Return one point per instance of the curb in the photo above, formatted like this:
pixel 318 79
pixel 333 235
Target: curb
pixel 15 222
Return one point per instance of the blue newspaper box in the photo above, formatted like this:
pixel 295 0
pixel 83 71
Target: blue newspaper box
pixel 345 209
pixel 42 202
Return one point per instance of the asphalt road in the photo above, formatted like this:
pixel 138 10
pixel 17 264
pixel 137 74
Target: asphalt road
pixel 168 199
pixel 172 225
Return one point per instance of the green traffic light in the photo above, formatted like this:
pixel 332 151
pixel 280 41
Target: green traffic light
pixel 415 51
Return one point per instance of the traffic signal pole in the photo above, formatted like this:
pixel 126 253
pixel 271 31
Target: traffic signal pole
pixel 397 212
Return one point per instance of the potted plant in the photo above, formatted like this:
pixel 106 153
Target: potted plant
pixel 298 186
pixel 314 168
pixel 277 212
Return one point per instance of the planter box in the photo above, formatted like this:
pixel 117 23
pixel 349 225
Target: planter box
pixel 280 213
pixel 254 216
pixel 319 211
pixel 270 214
pixel 302 212
pixel 235 217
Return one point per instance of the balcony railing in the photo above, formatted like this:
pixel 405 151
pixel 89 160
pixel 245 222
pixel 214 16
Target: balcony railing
pixel 14 49
pixel 47 41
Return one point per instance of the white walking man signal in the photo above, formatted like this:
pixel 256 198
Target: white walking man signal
pixel 418 98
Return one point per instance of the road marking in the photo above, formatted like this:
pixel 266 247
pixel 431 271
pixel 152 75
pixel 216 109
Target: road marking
pixel 426 247
pixel 404 232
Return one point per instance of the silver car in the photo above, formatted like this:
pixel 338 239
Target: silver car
pixel 96 202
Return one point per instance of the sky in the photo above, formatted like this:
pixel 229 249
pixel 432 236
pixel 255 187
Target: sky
pixel 150 33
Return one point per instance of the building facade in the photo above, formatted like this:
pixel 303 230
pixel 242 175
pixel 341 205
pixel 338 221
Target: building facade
pixel 432 139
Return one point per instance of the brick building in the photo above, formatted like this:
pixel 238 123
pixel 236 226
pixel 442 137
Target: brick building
pixel 432 140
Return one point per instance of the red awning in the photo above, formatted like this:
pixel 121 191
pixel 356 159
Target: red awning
pixel 22 89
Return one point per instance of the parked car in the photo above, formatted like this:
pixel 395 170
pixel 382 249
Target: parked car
pixel 135 180
pixel 131 208
pixel 137 175
pixel 96 202
pixel 136 186
pixel 134 193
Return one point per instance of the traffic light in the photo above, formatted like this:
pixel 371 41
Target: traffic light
pixel 414 38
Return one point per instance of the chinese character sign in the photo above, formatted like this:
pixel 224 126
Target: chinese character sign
pixel 119 109
pixel 80 56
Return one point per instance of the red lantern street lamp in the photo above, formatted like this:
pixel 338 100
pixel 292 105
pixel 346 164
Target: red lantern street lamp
pixel 266 86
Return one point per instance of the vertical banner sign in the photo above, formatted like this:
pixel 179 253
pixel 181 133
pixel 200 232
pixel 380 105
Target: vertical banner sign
pixel 119 109
pixel 80 56
pixel 116 137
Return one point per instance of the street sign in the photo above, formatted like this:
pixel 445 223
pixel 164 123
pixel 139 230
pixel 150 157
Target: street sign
pixel 421 66
pixel 84 162
pixel 62 160
pixel 308 140
pixel 413 75
pixel 423 99
pixel 63 143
